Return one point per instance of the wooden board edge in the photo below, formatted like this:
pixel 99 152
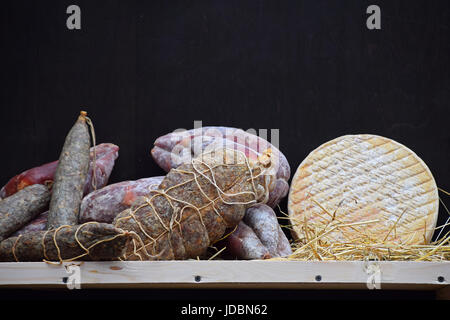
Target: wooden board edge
pixel 228 274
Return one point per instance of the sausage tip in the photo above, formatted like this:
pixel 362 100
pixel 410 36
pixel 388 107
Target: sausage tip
pixel 83 114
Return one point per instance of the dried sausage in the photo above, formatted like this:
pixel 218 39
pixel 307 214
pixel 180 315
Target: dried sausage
pixel 37 224
pixel 70 176
pixel 194 205
pixel 103 205
pixel 176 148
pixel 105 156
pixel 20 208
pixel 89 241
pixel 258 236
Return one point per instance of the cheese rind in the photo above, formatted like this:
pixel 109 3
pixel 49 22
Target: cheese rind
pixel 365 177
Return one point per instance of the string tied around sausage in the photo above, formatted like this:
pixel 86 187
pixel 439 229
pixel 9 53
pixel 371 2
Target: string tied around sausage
pixel 203 171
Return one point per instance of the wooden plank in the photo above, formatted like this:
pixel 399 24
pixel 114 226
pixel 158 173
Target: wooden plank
pixel 227 274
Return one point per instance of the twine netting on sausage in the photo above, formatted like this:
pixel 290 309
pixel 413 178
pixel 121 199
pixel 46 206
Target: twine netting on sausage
pixel 194 205
pixel 88 241
pixel 94 144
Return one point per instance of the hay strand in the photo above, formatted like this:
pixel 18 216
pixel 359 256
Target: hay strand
pixel 314 245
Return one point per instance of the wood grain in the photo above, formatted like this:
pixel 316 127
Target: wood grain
pixel 228 274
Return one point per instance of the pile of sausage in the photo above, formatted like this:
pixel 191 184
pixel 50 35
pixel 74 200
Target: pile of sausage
pixel 59 210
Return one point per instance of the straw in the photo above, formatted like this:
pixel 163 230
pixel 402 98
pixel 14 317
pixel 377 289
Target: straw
pixel 313 243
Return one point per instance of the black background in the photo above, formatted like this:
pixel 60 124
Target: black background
pixel 145 68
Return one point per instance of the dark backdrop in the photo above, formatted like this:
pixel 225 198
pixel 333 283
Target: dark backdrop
pixel 144 68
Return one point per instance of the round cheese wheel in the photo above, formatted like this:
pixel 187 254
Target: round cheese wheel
pixel 360 178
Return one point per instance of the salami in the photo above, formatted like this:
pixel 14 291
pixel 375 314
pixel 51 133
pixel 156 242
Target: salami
pixel 174 149
pixel 20 208
pixel 37 224
pixel 105 204
pixel 101 165
pixel 245 244
pixel 89 241
pixel 258 236
pixel 105 156
pixel 194 205
pixel 263 221
pixel 70 176
pixel 102 205
pixel 39 175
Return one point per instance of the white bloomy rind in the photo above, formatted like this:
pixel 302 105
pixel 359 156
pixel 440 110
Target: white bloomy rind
pixel 371 177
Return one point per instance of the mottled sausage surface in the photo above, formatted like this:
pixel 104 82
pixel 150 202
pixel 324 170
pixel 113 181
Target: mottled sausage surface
pixel 102 205
pixel 99 241
pixel 101 165
pixel 244 244
pixel 105 204
pixel 39 175
pixel 37 224
pixel 258 236
pixel 20 208
pixel 263 221
pixel 193 206
pixel 176 148
pixel 105 156
pixel 70 176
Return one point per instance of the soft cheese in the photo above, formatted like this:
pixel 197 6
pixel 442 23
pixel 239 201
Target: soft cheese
pixel 365 177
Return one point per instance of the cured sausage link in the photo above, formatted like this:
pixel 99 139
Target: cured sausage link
pixel 244 244
pixel 37 224
pixel 263 221
pixel 194 205
pixel 105 204
pixel 38 175
pixel 70 176
pixel 258 236
pixel 176 148
pixel 20 208
pixel 105 156
pixel 100 166
pixel 89 241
